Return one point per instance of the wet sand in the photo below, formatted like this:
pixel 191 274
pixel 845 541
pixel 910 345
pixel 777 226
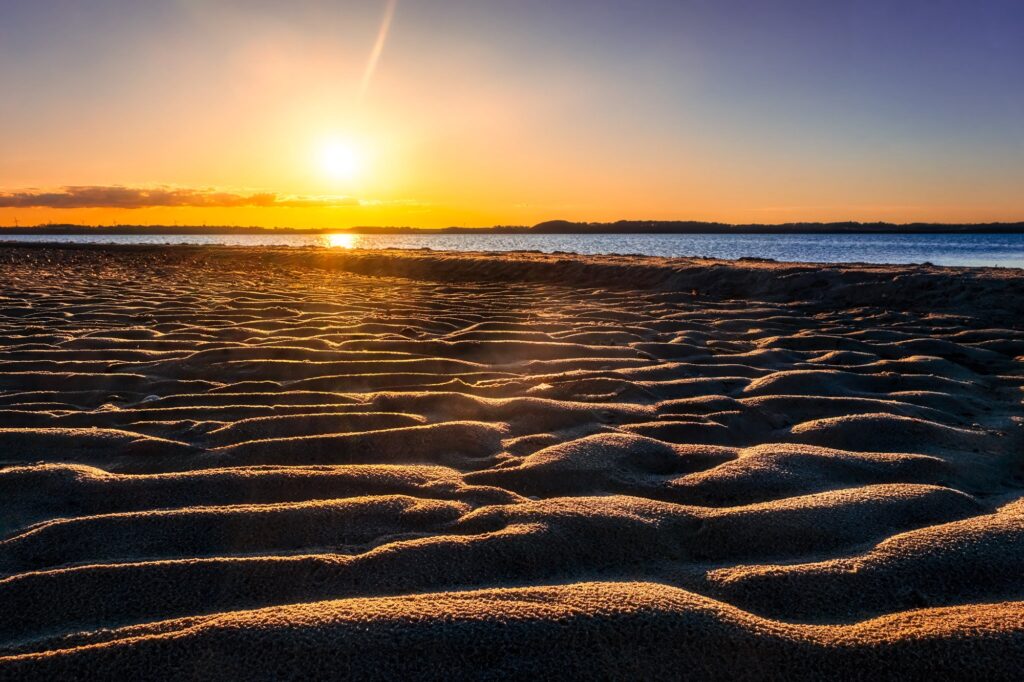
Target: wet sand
pixel 289 463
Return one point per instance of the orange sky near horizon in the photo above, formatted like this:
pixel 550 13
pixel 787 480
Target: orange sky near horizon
pixel 187 113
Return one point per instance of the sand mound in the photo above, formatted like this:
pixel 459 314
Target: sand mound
pixel 586 630
pixel 296 464
pixel 887 433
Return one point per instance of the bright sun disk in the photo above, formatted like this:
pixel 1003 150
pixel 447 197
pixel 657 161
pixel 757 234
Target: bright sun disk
pixel 340 160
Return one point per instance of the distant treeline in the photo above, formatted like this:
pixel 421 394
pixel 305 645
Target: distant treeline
pixel 697 227
pixel 552 227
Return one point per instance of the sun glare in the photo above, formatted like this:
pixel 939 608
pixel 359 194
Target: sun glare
pixel 339 240
pixel 341 160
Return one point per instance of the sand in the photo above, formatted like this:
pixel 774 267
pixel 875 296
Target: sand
pixel 295 464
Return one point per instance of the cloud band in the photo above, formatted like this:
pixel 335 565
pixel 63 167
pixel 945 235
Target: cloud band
pixel 116 196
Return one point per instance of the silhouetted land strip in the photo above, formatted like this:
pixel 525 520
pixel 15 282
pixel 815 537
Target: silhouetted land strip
pixel 551 227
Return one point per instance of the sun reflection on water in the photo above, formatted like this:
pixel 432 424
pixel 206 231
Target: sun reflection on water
pixel 341 241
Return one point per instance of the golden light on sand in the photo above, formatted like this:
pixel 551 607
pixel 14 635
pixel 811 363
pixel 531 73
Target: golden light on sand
pixel 341 159
pixel 341 241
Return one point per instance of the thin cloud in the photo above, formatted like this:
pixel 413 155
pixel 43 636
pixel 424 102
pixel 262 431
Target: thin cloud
pixel 116 196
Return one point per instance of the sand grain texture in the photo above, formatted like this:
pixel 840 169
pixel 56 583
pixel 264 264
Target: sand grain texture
pixel 298 464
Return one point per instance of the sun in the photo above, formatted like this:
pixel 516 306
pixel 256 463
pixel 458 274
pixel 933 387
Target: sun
pixel 341 159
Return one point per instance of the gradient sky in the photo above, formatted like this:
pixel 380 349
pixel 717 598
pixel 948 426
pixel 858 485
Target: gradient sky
pixel 483 112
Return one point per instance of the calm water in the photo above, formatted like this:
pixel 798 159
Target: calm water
pixel 979 249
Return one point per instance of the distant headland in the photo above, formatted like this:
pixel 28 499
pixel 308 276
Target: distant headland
pixel 550 227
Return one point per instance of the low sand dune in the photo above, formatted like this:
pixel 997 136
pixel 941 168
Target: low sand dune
pixel 287 463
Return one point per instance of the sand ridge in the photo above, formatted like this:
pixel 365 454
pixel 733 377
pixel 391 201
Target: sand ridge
pixel 294 462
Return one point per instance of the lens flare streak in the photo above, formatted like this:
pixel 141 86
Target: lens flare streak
pixel 378 48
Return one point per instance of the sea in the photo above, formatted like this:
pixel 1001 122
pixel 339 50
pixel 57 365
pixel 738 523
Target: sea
pixel 989 250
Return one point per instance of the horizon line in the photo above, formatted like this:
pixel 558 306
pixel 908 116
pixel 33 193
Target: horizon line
pixel 549 227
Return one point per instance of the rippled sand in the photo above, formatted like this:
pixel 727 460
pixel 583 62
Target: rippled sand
pixel 284 463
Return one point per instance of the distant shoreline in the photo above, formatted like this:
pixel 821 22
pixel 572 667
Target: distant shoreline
pixel 550 227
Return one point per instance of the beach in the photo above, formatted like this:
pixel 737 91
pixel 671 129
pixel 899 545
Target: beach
pixel 297 463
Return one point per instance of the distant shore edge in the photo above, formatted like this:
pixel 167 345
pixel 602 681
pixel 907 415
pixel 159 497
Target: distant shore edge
pixel 548 227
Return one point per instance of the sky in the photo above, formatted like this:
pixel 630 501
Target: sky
pixel 316 113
